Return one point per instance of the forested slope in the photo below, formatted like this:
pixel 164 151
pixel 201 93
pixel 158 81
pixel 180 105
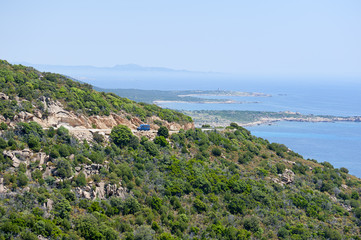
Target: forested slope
pixel 30 84
pixel 190 185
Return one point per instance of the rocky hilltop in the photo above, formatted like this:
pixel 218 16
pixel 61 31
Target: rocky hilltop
pixel 178 182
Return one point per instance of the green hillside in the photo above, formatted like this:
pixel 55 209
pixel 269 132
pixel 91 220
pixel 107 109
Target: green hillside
pixel 190 185
pixel 30 84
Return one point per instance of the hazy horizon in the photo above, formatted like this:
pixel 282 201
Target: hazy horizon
pixel 264 38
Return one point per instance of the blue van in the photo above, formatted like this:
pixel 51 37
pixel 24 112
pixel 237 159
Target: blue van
pixel 143 127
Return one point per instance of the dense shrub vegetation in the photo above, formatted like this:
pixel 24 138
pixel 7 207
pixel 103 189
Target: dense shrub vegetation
pixel 189 185
pixel 27 83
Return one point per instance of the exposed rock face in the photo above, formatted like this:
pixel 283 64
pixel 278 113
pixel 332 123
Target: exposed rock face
pixel 101 191
pixel 26 156
pixel 3 96
pixel 114 190
pixel 24 117
pixel 82 126
pixel 289 162
pixel 3 189
pixel 89 170
pixel 93 169
pixel 288 176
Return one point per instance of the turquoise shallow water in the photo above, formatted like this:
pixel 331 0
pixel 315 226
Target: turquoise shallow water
pixel 338 143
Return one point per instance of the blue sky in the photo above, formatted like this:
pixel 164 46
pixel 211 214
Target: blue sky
pixel 258 37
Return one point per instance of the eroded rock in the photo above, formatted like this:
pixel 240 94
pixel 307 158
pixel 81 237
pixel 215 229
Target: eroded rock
pixel 26 156
pixel 101 191
pixel 288 176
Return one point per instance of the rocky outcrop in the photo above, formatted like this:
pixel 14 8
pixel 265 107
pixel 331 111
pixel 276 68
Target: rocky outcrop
pixel 3 96
pixel 57 116
pixel 114 190
pixel 26 156
pixel 3 188
pixel 288 176
pixel 101 191
pixel 88 170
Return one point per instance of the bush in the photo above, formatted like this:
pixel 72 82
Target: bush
pixel 156 203
pixel 151 148
pixel 22 180
pixel 121 135
pixel 3 143
pixel 251 224
pixel 144 233
pixel 236 206
pixel 3 126
pixel 64 151
pixel 80 180
pixel 199 205
pixel 160 140
pixel 62 131
pixel 28 236
pixel 216 152
pixel 280 168
pixel 33 142
pixel 98 137
pixel 163 131
pixel 87 227
pixel 64 169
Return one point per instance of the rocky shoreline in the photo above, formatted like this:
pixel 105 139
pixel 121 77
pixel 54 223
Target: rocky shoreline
pixel 225 101
pixel 221 121
pixel 305 119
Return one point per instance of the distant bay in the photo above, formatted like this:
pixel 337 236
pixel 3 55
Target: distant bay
pixel 338 143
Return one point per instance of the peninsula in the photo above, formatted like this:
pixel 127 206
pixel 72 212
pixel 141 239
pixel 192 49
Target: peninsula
pixel 250 118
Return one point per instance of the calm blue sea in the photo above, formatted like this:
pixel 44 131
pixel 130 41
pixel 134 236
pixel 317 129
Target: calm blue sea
pixel 338 143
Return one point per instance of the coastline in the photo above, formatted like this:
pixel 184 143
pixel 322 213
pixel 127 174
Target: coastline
pixel 228 101
pixel 269 121
pixel 228 94
pixel 215 120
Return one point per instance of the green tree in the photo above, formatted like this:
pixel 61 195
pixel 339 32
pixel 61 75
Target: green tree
pixel 216 152
pixel 33 142
pixel 151 148
pixel 62 208
pixel 144 233
pixel 199 205
pixel 22 180
pixel 64 150
pixel 64 169
pixel 131 205
pixel 87 226
pixel 163 131
pixel 156 202
pixel 121 135
pixel 161 141
pixel 236 205
pixel 251 224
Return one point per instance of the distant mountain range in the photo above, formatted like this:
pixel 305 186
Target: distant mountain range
pixel 122 67
pixel 130 76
